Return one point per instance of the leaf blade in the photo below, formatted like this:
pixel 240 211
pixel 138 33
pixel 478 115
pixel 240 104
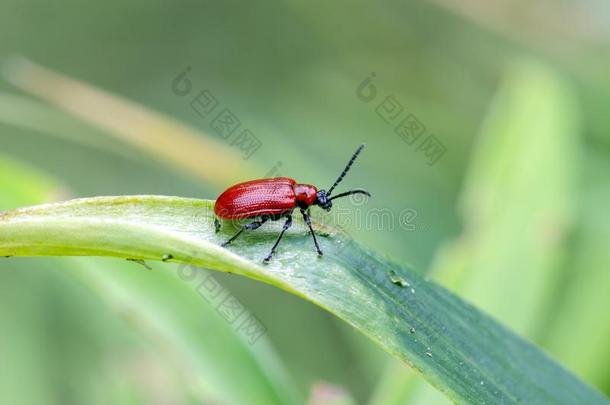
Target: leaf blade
pixel 458 349
pixel 208 356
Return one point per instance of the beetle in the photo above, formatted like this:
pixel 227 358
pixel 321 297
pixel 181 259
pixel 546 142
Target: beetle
pixel 274 199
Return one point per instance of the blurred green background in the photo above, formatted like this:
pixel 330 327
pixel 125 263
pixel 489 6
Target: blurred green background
pixel 512 217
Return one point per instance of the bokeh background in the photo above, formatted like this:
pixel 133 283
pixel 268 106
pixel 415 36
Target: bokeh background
pixel 512 216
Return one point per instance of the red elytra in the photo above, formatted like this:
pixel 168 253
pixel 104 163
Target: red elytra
pixel 272 199
pixel 264 197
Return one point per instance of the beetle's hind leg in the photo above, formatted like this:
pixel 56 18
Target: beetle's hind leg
pixel 248 227
pixel 287 225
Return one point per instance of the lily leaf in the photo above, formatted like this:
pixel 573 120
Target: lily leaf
pixel 206 357
pixel 459 350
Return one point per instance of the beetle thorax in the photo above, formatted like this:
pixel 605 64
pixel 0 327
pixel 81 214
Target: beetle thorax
pixel 305 195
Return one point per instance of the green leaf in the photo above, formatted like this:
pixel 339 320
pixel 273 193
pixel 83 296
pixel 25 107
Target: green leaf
pixel 580 332
pixel 517 206
pixel 458 349
pixel 517 203
pixel 206 357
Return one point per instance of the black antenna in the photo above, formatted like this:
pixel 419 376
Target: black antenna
pixel 352 192
pixel 349 166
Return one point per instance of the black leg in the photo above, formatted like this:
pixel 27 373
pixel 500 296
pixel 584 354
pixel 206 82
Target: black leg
pixel 249 227
pixel 287 225
pixel 307 219
pixel 217 225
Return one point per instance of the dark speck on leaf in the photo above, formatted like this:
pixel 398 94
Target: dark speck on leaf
pixel 396 279
pixel 140 262
pixel 167 257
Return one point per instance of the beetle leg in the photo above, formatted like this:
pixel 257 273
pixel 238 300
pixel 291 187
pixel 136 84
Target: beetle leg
pixel 307 219
pixel 217 225
pixel 248 227
pixel 287 225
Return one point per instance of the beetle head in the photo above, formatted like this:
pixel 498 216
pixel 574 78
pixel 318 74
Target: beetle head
pixel 323 200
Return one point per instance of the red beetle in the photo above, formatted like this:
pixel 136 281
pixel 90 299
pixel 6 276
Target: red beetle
pixel 274 199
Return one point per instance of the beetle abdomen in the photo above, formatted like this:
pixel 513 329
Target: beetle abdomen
pixel 255 198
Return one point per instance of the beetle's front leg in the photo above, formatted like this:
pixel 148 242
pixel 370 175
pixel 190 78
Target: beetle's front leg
pixel 216 224
pixel 307 219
